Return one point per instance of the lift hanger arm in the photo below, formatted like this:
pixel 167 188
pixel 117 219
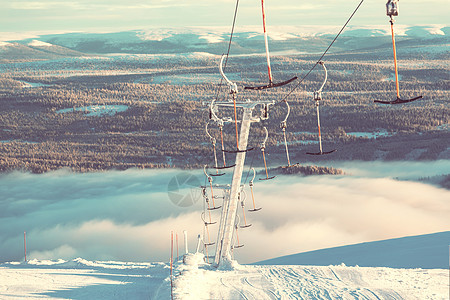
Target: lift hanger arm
pixel 263 147
pixel 231 85
pixel 318 93
pixel 317 98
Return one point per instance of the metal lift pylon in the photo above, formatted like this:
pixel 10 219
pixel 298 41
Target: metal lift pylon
pixel 224 243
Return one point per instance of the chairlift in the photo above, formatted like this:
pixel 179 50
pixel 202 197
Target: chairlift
pixel 317 98
pixel 391 11
pixel 271 84
pixel 212 191
pixel 251 191
pixel 263 147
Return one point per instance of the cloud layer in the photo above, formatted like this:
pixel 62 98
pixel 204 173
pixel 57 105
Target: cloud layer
pixel 128 215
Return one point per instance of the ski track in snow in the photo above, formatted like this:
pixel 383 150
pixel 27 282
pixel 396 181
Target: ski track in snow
pixel 311 282
pixel 81 279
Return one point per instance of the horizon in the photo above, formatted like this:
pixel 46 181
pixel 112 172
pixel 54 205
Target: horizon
pixel 49 17
pixel 276 32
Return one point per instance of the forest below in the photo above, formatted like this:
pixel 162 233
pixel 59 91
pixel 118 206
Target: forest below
pixel 60 113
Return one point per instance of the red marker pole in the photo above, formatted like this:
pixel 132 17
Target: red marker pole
pixel 266 42
pixel 171 264
pixel 25 244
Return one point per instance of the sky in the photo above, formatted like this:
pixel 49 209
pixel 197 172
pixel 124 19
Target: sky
pixel 128 215
pixel 56 16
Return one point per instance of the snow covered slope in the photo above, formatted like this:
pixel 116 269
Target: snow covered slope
pixel 34 50
pixel 428 251
pixel 303 282
pixel 82 279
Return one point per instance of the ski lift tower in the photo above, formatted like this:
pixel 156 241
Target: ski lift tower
pixel 231 199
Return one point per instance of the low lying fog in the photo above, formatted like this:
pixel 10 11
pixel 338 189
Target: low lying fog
pixel 128 215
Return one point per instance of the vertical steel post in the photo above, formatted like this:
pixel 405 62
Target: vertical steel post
pixel 25 244
pixel 229 210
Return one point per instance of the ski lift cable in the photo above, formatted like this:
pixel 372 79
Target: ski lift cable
pixel 324 53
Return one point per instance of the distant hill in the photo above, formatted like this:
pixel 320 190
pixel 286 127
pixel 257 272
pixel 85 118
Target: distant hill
pixel 430 251
pixel 248 40
pixel 34 50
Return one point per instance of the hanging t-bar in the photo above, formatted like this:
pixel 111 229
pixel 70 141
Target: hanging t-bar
pixel 263 147
pixel 392 10
pixel 206 222
pixel 283 126
pixel 233 92
pixel 213 143
pixel 270 85
pixel 317 98
pixel 250 184
pixel 209 243
pixel 243 211
pixel 269 71
pixel 214 207
pixel 222 168
pixel 236 226
pixel 238 151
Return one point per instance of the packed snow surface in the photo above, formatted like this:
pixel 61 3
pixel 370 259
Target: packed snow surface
pixel 303 282
pixel 82 279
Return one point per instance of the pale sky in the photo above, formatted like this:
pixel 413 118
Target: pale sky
pixel 48 16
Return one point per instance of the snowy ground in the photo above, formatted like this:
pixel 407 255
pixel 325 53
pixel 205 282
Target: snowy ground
pixel 81 279
pixel 310 282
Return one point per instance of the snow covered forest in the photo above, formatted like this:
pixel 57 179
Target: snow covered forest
pixel 50 89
